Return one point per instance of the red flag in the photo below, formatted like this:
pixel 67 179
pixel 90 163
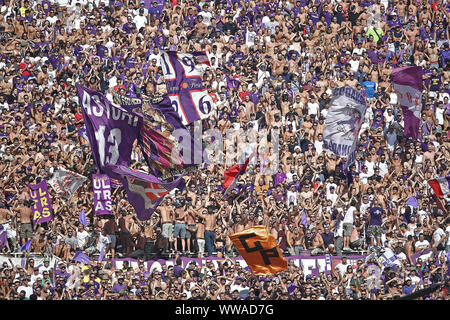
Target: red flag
pixel 234 172
pixel 174 3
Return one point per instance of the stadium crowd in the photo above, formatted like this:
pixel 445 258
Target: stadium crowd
pixel 273 66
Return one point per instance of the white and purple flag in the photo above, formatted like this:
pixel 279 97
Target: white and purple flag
pixel 407 82
pixel 101 185
pixel 440 186
pixel 343 121
pixel 145 192
pixel 183 75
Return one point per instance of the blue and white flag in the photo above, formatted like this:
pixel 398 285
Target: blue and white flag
pixel 343 121
pixel 26 246
pixel 82 133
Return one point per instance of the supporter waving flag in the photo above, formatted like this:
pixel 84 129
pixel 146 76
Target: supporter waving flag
pixel 183 75
pixel 407 82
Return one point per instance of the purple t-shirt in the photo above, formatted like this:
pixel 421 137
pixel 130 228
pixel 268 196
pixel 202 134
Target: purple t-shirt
pixel 376 215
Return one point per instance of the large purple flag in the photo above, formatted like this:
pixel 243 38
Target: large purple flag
pixel 145 192
pixel 111 129
pixel 42 209
pixel 101 185
pixel 407 82
pixel 183 75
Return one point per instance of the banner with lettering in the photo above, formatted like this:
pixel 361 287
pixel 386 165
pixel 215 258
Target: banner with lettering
pixel 66 182
pixel 260 250
pixel 183 75
pixel 111 130
pixel 343 121
pixel 101 185
pixel 42 209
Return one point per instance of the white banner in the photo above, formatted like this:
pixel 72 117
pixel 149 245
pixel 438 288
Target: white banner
pixel 66 182
pixel 343 121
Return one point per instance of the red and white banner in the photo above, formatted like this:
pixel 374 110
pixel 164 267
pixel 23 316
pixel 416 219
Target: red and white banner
pixel 66 182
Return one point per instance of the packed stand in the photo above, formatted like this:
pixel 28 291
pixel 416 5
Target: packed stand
pixel 273 66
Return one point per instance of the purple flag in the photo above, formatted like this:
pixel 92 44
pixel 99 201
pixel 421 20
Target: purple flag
pixel 81 257
pixel 42 209
pixel 111 129
pixel 407 82
pixel 101 185
pixel 183 76
pixel 3 239
pixel 160 116
pixel 26 246
pixel 144 191
pixel 82 133
pixel 303 219
pixel 412 201
pixel 102 254
pixel 82 218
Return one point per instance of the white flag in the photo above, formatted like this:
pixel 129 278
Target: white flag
pixel 66 182
pixel 343 121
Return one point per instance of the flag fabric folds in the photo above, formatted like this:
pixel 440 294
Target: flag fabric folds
pixel 66 182
pixel 343 121
pixel 440 186
pixel 3 239
pixel 42 208
pixel 303 219
pixel 144 192
pixel 183 75
pixel 111 130
pixel 26 246
pixel 82 218
pixel 101 186
pixel 81 257
pixel 407 83
pixel 232 174
pixel 260 250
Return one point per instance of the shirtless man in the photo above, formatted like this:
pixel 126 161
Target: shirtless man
pixel 167 221
pixel 317 241
pixel 4 213
pixel 180 226
pixel 25 214
pixel 190 227
pixel 200 234
pixel 210 225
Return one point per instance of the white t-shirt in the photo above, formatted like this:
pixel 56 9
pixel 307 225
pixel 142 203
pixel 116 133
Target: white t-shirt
pixel 140 21
pixel 28 290
pixel 43 269
pixel 349 215
pixel 313 108
pixel 103 241
pixel 422 244
pixel 81 238
pixel 319 146
pixel 437 235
